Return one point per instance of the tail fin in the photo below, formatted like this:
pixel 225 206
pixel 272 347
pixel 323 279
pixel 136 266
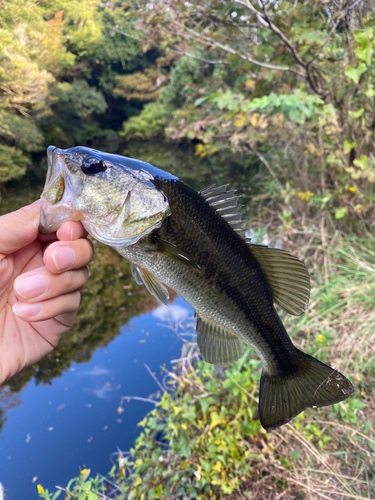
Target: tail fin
pixel 282 397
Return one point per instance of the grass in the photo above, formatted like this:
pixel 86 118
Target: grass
pixel 203 439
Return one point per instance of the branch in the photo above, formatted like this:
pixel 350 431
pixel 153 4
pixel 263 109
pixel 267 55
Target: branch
pixel 260 18
pixel 153 376
pixel 226 48
pixel 117 30
pixel 343 14
pixel 193 56
pixel 137 398
pixel 282 37
pixel 307 66
pixel 267 165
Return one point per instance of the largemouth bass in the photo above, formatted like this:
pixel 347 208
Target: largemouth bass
pixel 194 243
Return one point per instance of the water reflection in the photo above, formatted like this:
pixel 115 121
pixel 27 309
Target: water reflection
pixel 81 417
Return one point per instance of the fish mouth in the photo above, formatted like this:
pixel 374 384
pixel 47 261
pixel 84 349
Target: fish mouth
pixel 57 194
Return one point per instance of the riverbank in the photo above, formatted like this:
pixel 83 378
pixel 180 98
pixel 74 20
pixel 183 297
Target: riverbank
pixel 203 439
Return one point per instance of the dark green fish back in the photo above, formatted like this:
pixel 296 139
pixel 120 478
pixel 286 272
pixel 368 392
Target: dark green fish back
pixel 226 260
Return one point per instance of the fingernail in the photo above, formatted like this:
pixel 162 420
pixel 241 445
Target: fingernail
pixel 63 257
pixel 27 310
pixel 32 286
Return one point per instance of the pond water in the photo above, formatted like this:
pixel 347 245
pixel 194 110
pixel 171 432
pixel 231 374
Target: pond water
pixel 67 413
pixel 80 418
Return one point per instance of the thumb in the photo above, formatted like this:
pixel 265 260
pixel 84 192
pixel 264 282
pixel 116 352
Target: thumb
pixel 19 228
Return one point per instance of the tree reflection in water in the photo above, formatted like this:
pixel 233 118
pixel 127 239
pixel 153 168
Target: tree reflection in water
pixel 110 300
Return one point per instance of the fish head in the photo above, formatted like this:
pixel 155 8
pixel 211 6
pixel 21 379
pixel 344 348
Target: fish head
pixel 113 196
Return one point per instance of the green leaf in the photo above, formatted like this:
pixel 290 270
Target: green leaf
pixel 296 454
pixel 205 403
pixel 199 101
pixel 341 212
pixel 365 54
pixel 348 146
pixel 355 73
pixel 364 37
pixel 92 496
pixel 361 162
pixel 356 114
pixel 370 92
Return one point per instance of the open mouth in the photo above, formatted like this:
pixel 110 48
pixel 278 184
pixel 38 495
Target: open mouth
pixel 57 193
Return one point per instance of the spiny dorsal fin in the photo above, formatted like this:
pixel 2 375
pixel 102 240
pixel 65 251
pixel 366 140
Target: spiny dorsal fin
pixel 217 344
pixel 153 285
pixel 226 204
pixel 287 276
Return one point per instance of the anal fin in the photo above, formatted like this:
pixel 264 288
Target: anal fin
pixel 153 285
pixel 217 344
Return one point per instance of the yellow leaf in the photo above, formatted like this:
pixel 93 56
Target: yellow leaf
pixel 137 481
pixel 254 119
pixel 241 120
pixel 40 489
pixel 263 123
pixel 215 420
pixel 217 466
pixel 312 148
pixel 250 84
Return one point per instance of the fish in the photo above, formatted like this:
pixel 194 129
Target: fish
pixel 194 243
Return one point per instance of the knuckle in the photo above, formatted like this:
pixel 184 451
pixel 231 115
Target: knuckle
pixel 76 300
pixel 70 279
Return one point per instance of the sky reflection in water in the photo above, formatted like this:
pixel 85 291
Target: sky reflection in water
pixel 80 420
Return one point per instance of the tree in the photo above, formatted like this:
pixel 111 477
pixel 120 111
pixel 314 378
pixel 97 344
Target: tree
pixel 287 83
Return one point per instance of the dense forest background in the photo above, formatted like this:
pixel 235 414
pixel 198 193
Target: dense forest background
pixel 278 94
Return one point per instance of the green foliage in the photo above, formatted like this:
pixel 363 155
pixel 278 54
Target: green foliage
pixel 59 63
pixel 149 124
pixel 12 163
pixel 74 104
pixel 292 96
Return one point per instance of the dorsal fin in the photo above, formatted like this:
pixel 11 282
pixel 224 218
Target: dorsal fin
pixel 217 344
pixel 287 276
pixel 226 204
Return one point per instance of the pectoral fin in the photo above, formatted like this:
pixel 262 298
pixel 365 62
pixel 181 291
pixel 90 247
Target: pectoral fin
pixel 287 276
pixel 153 285
pixel 217 344
pixel 168 249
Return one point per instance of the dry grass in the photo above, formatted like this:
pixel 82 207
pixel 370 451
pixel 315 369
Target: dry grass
pixel 342 306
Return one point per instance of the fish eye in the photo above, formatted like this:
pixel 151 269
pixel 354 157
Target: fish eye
pixel 92 166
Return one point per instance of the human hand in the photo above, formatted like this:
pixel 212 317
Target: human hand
pixel 40 279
